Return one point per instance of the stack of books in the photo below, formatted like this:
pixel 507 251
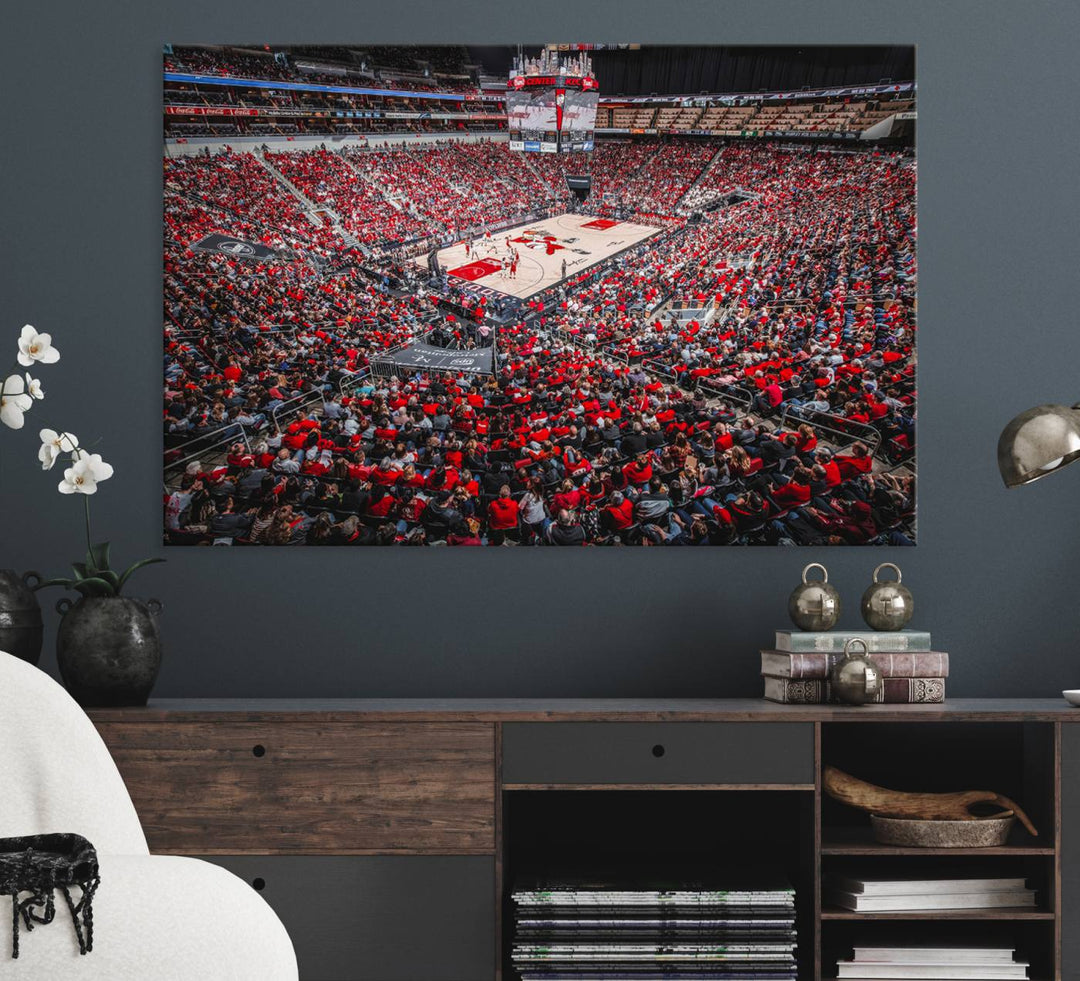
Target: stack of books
pixel 796 671
pixel 938 963
pixel 581 931
pixel 880 895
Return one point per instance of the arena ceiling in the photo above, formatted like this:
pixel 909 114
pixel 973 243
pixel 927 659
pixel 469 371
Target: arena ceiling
pixel 684 69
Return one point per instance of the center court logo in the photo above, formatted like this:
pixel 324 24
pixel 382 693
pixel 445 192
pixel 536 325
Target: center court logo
pixel 233 247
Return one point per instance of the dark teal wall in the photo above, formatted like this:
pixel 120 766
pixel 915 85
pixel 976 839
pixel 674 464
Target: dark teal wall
pixel 996 573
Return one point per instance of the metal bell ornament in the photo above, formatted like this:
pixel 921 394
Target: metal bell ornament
pixel 887 605
pixel 814 605
pixel 855 679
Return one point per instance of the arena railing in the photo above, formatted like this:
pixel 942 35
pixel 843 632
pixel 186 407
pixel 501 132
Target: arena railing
pixel 651 312
pixel 181 463
pixel 845 431
pixel 279 415
pixel 349 382
pixel 658 367
pixel 295 404
pixel 732 393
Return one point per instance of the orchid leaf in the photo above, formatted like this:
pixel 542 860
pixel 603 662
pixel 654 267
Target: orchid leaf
pixel 110 577
pixel 66 583
pixel 94 587
pixel 134 568
pixel 80 570
pixel 97 558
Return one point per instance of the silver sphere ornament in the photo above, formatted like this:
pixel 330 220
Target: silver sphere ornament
pixel 814 605
pixel 855 679
pixel 887 605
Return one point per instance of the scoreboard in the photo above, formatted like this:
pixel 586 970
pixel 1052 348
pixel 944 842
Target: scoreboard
pixel 554 113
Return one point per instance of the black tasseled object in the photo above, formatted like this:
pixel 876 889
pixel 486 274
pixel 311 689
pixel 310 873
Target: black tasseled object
pixel 33 867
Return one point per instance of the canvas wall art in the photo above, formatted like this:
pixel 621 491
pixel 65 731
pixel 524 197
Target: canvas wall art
pixel 539 295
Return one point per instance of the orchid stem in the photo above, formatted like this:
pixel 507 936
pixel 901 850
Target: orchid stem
pixel 86 501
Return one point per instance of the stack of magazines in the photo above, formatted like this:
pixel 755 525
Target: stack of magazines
pixel 911 963
pixel 899 893
pixel 589 931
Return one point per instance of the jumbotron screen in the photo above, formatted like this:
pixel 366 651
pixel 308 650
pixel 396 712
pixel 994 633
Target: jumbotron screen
pixel 551 103
pixel 531 114
pixel 579 113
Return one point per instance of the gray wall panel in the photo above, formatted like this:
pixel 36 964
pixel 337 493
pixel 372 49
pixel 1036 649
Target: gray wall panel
pixel 999 204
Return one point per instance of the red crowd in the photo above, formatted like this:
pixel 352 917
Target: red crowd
pixel 796 312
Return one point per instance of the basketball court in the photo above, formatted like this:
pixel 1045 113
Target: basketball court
pixel 581 241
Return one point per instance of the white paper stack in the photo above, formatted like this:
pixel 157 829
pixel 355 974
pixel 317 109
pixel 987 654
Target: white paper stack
pixel 933 964
pixel 901 895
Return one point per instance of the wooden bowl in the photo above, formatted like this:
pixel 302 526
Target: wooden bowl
pixel 912 832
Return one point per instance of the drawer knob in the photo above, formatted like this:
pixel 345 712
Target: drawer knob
pixel 658 750
pixel 258 884
pixel 258 750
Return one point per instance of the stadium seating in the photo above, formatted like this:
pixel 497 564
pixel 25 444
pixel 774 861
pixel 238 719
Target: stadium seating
pixel 745 377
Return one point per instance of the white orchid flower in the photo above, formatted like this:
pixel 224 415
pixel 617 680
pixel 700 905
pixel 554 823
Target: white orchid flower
pixel 83 476
pixel 36 347
pixel 53 444
pixel 33 387
pixel 14 401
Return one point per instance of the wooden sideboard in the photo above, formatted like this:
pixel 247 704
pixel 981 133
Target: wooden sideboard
pixel 387 833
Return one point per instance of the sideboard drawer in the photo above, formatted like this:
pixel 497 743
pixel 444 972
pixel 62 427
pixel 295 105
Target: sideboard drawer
pixel 231 788
pixel 696 753
pixel 381 917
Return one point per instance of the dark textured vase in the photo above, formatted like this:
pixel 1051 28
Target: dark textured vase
pixel 108 649
pixel 21 628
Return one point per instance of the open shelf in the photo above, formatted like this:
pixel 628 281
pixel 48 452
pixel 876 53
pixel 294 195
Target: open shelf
pixel 1014 759
pixel 711 836
pixel 797 828
pixel 1032 939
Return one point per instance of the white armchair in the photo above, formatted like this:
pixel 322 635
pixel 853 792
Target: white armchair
pixel 163 918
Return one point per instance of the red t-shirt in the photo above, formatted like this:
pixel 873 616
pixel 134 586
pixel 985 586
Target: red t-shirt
pixel 503 513
pixel 853 466
pixel 566 499
pixel 792 495
pixel 622 515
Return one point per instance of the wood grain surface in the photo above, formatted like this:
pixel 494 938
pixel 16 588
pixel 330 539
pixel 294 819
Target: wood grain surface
pixel 215 787
pixel 281 710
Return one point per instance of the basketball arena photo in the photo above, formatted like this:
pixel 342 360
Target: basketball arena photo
pixel 539 295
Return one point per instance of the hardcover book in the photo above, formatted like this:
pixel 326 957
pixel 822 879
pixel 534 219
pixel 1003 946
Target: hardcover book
pixel 920 887
pixel 895 691
pixel 975 900
pixel 833 641
pixel 968 971
pixel 892 664
pixel 935 955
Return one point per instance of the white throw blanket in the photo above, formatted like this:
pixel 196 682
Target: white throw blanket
pixel 156 918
